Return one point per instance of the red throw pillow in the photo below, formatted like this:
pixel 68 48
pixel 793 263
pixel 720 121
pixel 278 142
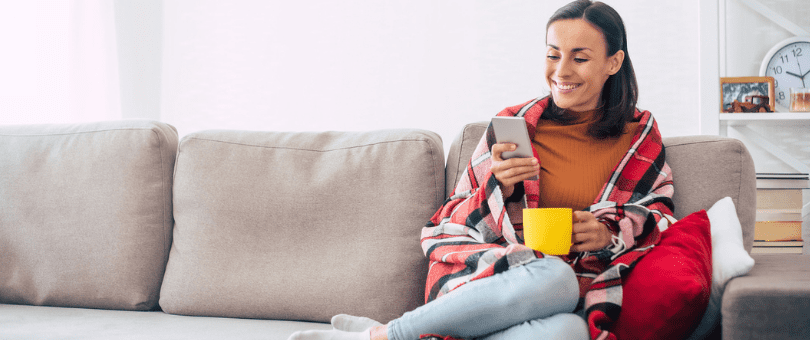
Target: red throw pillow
pixel 666 293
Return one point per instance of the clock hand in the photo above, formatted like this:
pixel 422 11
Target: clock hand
pixel 795 75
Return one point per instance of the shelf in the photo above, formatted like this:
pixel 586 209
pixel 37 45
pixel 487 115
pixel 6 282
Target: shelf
pixel 775 118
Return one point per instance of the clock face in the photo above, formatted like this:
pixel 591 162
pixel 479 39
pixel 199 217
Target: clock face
pixel 789 65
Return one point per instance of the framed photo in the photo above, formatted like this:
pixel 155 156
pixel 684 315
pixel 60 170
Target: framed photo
pixel 746 94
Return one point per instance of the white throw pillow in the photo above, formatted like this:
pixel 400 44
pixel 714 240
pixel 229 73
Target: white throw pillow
pixel 729 260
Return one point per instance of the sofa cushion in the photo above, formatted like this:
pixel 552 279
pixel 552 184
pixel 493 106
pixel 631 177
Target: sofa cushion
pixel 33 322
pixel 667 291
pixel 302 226
pixel 729 260
pixel 706 169
pixel 460 152
pixel 85 213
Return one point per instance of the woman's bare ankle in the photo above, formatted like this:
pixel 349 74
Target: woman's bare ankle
pixel 379 332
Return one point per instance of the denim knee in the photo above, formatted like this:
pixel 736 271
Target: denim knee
pixel 548 281
pixel 566 280
pixel 568 326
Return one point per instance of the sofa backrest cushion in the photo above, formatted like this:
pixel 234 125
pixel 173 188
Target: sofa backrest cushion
pixel 85 213
pixel 302 226
pixel 705 169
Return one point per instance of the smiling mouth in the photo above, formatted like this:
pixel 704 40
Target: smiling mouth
pixel 566 87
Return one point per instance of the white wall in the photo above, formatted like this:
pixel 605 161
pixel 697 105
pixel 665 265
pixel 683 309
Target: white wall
pixel 357 65
pixel 139 32
pixel 315 64
pixel 58 62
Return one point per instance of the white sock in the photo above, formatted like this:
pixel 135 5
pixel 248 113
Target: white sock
pixel 351 323
pixel 330 335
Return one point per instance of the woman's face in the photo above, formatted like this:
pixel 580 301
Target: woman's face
pixel 577 64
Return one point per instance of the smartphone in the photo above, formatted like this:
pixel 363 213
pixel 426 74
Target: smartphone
pixel 513 130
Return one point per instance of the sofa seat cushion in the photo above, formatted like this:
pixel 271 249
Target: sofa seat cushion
pixel 302 226
pixel 46 323
pixel 85 213
pixel 771 302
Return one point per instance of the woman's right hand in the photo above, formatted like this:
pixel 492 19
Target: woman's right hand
pixel 512 171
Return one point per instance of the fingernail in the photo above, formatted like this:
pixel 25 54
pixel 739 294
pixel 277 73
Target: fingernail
pixel 534 161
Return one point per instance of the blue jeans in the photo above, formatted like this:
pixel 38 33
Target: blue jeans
pixel 533 301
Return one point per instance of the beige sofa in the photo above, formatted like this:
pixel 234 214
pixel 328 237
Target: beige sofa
pixel 117 230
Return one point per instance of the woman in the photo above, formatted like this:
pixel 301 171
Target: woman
pixel 589 141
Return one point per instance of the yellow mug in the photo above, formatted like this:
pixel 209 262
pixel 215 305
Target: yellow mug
pixel 548 229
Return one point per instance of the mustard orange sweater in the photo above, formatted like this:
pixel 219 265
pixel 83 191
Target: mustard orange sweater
pixel 573 165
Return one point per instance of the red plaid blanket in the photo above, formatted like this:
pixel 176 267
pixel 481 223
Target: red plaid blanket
pixel 474 235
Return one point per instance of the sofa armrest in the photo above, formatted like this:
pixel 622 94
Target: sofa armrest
pixel 771 302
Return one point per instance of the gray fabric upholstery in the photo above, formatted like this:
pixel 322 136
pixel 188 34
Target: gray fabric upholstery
pixel 302 226
pixel 460 152
pixel 85 213
pixel 33 323
pixel 283 226
pixel 704 169
pixel 771 302
pixel 708 168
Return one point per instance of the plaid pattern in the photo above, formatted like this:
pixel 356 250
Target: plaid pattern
pixel 472 235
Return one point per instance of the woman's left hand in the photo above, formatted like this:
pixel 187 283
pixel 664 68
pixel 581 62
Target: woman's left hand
pixel 589 234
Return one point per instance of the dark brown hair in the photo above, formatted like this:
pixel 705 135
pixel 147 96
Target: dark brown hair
pixel 620 93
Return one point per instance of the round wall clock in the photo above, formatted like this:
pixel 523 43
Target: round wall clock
pixel 788 62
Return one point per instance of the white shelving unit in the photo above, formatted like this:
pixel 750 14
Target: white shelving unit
pixel 777 118
pixel 723 54
pixel 741 123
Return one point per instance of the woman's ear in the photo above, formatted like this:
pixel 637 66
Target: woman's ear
pixel 615 61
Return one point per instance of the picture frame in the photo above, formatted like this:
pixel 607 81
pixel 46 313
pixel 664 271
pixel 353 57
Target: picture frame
pixel 746 94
